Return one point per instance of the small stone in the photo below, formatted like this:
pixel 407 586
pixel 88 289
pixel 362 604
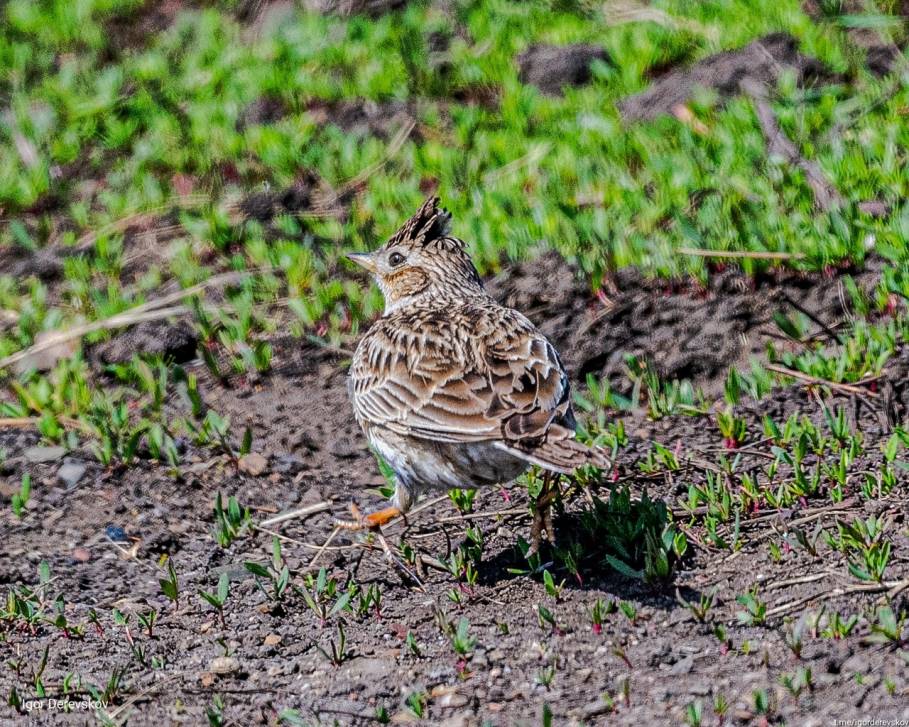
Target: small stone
pixel 207 679
pixel 253 464
pixel 288 464
pixel 682 666
pixel 452 699
pixel 594 709
pixel 272 640
pixel 116 533
pixel 403 717
pixel 223 665
pixel 82 554
pixel 39 454
pixel 70 474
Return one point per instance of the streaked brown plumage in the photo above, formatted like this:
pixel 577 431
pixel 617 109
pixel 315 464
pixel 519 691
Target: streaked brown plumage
pixel 451 388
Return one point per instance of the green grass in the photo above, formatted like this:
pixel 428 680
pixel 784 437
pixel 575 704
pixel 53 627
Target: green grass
pixel 95 133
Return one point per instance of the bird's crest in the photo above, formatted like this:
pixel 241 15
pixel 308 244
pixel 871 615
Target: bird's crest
pixel 429 225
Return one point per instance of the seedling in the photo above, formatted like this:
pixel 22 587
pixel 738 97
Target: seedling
pixel 416 702
pixel 732 428
pixel 214 713
pixel 755 612
pixel 276 574
pixel 629 610
pixel 546 619
pixel 553 590
pixel 462 500
pixel 534 563
pixel 370 599
pixel 20 499
pixel 170 588
pixel 664 398
pixel 598 612
pixel 838 628
pixel 887 627
pixel 412 646
pixel 112 688
pixel 720 707
pixel 337 648
pixel 230 523
pixel 762 703
pixel 794 637
pixel 796 683
pixel 321 597
pixel 546 675
pixel 694 713
pixel 217 600
pixel 701 609
pixel 461 641
pixel 148 619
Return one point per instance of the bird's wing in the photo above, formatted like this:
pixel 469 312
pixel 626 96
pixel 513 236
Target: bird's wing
pixel 487 375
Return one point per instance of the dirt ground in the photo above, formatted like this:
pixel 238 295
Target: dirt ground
pixel 263 661
pixel 104 533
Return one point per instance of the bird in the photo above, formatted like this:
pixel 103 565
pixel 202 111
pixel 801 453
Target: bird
pixel 452 389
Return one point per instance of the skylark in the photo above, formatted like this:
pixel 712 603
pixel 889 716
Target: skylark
pixel 452 389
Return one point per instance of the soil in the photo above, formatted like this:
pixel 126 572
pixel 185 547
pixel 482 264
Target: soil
pixel 265 660
pixel 882 54
pixel 684 329
pixel 552 67
pixel 174 341
pixel 760 63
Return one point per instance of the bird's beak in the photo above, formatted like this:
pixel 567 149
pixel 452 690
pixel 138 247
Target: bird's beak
pixel 364 259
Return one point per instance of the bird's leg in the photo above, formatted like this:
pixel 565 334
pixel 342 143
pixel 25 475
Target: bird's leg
pixel 542 514
pixel 374 521
pixel 369 521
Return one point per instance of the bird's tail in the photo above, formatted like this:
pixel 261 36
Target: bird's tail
pixel 558 452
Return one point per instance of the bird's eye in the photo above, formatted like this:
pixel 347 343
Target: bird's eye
pixel 395 259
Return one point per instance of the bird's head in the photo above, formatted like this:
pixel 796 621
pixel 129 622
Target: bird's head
pixel 421 259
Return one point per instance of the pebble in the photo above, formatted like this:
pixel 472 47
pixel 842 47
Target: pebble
pixel 82 554
pixel 288 464
pixel 223 665
pixel 70 473
pixel 116 533
pixel 454 699
pixel 39 454
pixel 682 666
pixel 594 709
pixel 253 464
pixel 272 640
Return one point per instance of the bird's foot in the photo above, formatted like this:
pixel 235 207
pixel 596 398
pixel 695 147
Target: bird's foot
pixel 369 521
pixel 542 518
pixel 374 521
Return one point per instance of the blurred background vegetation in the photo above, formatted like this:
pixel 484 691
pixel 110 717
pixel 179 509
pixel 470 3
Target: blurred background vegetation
pixel 146 142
